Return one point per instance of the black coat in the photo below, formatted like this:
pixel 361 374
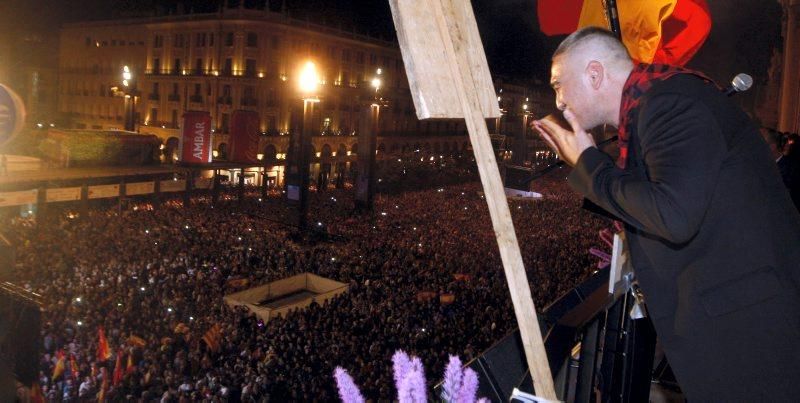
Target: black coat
pixel 714 241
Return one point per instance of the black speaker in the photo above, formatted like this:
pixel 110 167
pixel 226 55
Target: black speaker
pixel 6 258
pixel 20 337
pixel 500 369
pixel 518 177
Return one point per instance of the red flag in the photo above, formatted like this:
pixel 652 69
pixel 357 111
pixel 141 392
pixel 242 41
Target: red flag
pixel 36 393
pixel 58 369
pixel 684 32
pixel 101 396
pixel 74 367
pixel 213 338
pixel 654 31
pixel 118 374
pixel 103 352
pixel 130 367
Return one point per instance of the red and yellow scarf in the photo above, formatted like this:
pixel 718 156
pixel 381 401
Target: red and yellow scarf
pixel 642 78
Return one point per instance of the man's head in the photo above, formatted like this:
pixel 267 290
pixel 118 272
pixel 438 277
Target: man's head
pixel 589 70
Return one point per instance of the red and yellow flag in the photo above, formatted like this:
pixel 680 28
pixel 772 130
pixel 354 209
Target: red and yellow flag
pixel 36 393
pixel 103 352
pixel 60 366
pixel 213 338
pixel 73 366
pixel 664 31
pixel 130 367
pixel 118 373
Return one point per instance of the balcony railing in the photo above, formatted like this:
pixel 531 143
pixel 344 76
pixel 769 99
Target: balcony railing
pixel 249 102
pixel 174 98
pixel 225 100
pixel 153 97
pixel 196 99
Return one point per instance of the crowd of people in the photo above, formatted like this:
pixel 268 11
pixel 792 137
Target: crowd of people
pixel 154 279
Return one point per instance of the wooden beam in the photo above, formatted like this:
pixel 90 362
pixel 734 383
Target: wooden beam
pixel 451 31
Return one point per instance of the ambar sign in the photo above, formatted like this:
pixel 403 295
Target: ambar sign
pixel 196 138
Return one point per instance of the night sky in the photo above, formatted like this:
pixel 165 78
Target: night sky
pixel 742 38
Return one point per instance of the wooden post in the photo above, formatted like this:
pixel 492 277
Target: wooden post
pixel 464 71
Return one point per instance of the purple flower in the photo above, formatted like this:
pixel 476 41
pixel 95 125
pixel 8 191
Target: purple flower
pixel 412 388
pixel 348 390
pixel 469 387
pixel 452 379
pixel 402 364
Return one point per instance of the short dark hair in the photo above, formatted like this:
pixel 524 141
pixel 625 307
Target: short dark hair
pixel 583 35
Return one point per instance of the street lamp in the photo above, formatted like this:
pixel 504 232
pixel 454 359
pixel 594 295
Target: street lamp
pixel 308 84
pixel 129 86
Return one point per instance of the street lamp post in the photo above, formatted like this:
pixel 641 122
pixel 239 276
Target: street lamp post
pixel 368 138
pixel 129 86
pixel 308 85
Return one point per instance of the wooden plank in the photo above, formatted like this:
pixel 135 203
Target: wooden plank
pixel 103 191
pixel 418 23
pixel 18 198
pixel 426 64
pixel 139 188
pixel 63 194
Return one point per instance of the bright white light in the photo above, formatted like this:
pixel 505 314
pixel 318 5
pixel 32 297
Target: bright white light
pixel 80 323
pixel 376 83
pixel 309 78
pixel 169 309
pixel 78 299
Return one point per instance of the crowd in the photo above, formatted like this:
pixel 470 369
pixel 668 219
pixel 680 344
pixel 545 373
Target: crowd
pixel 154 278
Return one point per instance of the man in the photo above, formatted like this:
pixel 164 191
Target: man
pixel 712 233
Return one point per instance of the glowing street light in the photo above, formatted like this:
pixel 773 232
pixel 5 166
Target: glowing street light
pixel 309 79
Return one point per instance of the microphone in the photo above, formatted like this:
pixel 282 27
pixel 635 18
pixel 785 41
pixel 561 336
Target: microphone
pixel 741 83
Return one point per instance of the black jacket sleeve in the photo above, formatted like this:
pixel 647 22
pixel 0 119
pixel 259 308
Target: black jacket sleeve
pixel 682 149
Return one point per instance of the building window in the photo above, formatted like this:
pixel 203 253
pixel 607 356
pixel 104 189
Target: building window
pixel 345 55
pixel 225 122
pixel 88 41
pixel 177 67
pixel 174 118
pixel 229 39
pixel 276 42
pixel 153 115
pixel 360 57
pixel 228 67
pixel 252 39
pixel 201 40
pixel 197 89
pixel 156 66
pixel 198 66
pixel 250 67
pixel 158 41
pixel 373 60
pixel 113 42
pixel 210 39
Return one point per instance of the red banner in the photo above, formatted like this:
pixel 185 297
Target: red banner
pixel 196 138
pixel 244 137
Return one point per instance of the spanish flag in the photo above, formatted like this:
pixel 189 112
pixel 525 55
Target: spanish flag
pixel 663 31
pixel 130 367
pixel 60 366
pixel 213 338
pixel 103 352
pixel 136 341
pixel 118 373
pixel 36 393
pixel 101 395
pixel 74 367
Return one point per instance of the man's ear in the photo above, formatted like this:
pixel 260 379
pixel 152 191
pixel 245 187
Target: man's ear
pixel 595 72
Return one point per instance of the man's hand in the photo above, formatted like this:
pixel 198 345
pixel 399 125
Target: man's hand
pixel 567 144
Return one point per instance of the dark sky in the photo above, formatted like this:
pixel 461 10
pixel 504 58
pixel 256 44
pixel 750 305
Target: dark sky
pixel 744 30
